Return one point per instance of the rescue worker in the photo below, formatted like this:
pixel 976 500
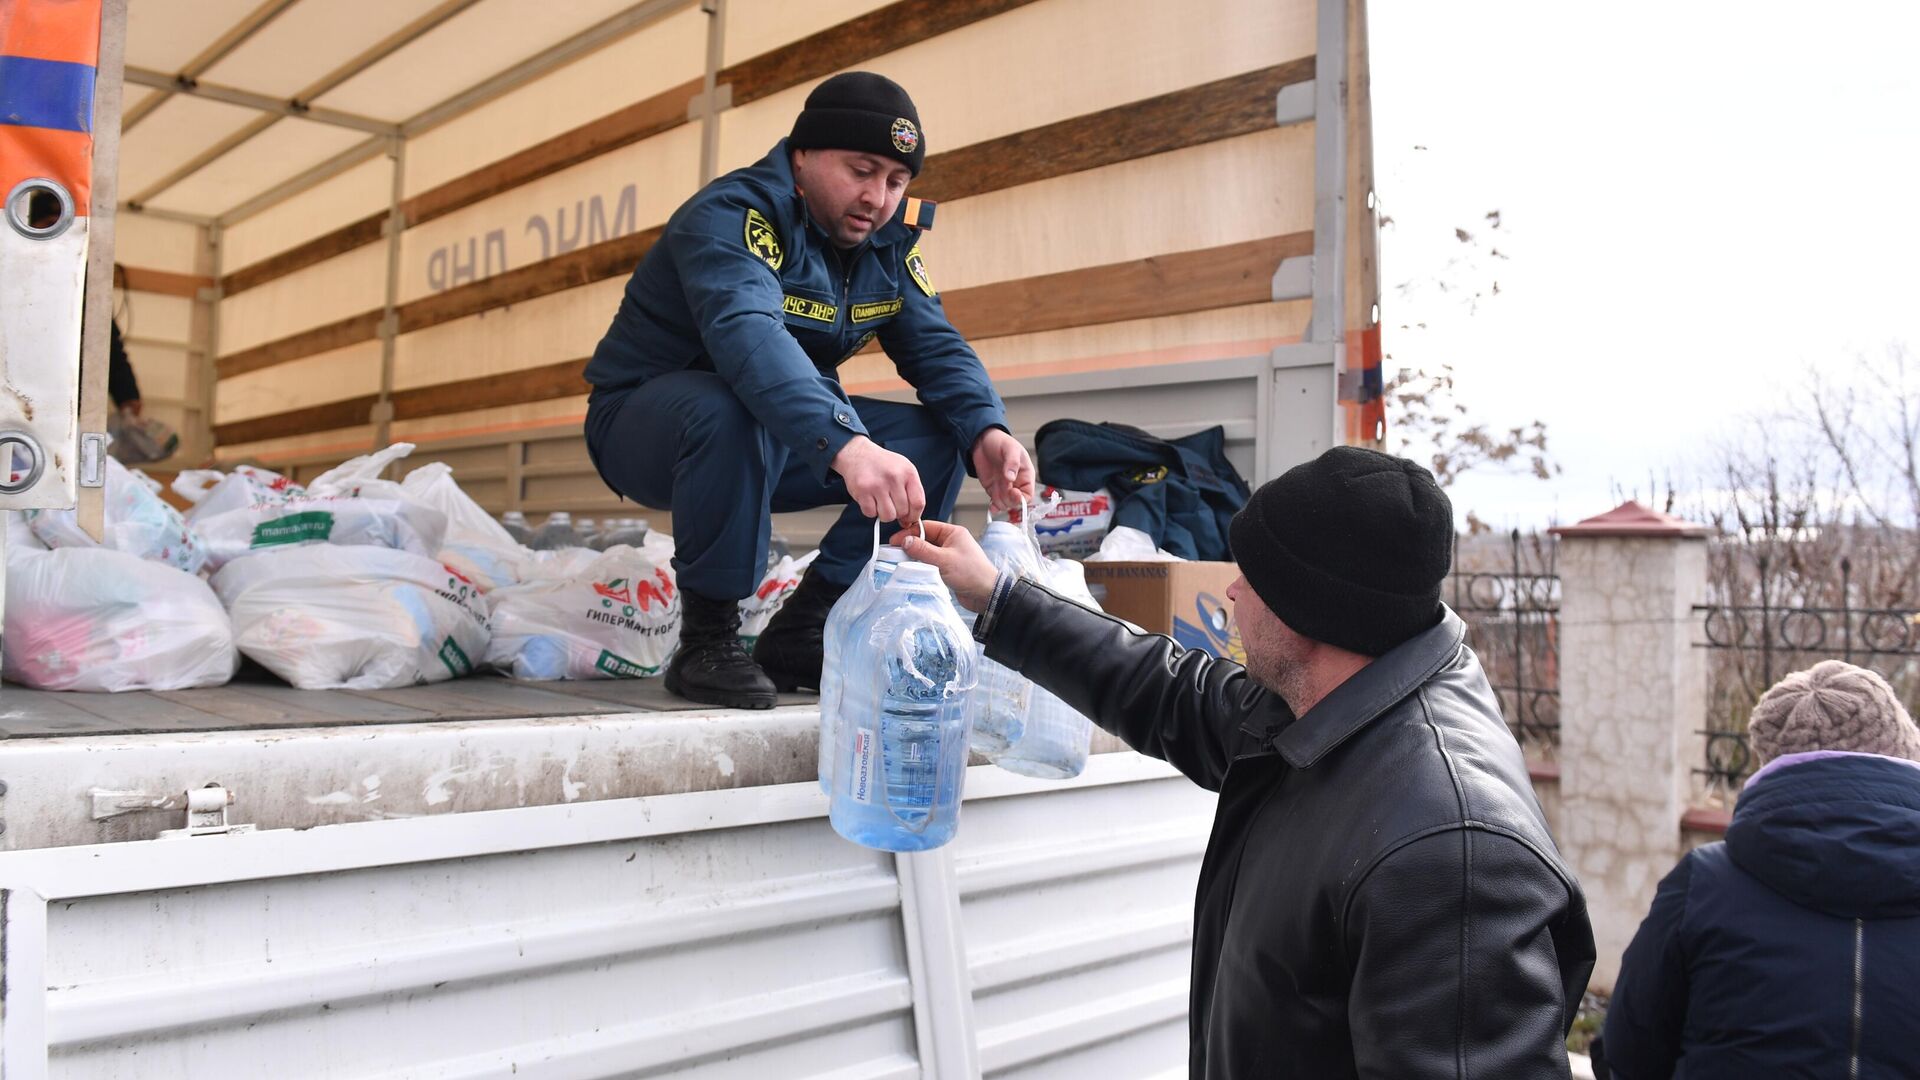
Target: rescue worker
pixel 716 395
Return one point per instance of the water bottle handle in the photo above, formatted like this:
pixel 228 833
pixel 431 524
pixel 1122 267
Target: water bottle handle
pixel 876 537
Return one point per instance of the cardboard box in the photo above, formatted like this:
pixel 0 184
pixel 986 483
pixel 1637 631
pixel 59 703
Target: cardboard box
pixel 1187 601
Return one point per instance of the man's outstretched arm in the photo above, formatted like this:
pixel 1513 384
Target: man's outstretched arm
pixel 1183 707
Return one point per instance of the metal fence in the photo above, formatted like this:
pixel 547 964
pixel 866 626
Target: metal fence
pixel 1509 596
pixel 1755 644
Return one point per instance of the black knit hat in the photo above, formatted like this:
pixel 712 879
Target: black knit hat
pixel 1349 548
pixel 859 110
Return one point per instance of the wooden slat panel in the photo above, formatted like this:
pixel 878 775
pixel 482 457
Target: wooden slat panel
pixel 1175 284
pixel 876 33
pixel 166 283
pixel 332 706
pixel 1223 109
pixel 1163 285
pixel 318 250
pixel 351 330
pixel 29 713
pixel 642 120
pixel 649 694
pixel 488 697
pixel 609 258
pixel 328 417
pixel 143 711
pixel 545 383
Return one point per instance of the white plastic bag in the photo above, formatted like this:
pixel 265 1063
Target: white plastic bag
pixel 475 543
pixel 213 492
pixel 138 523
pixel 252 511
pixel 1127 544
pixel 618 619
pixel 558 564
pixel 83 618
pixel 757 611
pixel 20 535
pixel 358 618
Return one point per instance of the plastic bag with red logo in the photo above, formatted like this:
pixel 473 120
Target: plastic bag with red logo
pixel 618 617
pixel 87 618
pixel 757 611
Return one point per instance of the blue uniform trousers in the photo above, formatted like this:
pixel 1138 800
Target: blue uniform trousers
pixel 682 441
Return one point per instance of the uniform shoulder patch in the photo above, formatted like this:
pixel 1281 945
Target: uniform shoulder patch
pixel 917 266
pixel 763 241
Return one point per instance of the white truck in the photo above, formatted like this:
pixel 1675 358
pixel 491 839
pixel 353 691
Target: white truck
pixel 341 225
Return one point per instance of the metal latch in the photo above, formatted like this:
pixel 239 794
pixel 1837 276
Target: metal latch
pixel 206 809
pixel 206 815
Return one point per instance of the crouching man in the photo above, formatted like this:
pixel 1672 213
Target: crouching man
pixel 716 393
pixel 1380 897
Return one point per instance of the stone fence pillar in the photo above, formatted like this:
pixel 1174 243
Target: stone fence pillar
pixel 1632 704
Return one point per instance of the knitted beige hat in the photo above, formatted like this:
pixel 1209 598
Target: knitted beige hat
pixel 1832 706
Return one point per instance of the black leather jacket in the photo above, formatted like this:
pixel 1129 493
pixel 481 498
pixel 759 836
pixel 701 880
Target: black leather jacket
pixel 1380 896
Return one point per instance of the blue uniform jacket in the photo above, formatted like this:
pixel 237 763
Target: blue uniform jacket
pixel 743 283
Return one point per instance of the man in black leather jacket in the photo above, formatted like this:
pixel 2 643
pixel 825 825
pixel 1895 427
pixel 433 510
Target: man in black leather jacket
pixel 1380 896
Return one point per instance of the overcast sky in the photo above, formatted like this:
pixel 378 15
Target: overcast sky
pixel 1698 200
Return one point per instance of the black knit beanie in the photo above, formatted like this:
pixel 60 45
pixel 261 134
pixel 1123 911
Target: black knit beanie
pixel 1349 548
pixel 859 110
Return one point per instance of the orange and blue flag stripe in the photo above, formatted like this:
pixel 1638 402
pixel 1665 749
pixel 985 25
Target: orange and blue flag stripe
pixel 49 51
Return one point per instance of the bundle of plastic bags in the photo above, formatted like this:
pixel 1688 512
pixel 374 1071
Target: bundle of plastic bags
pixel 354 617
pixel 138 523
pixel 253 510
pixel 90 618
pixel 617 618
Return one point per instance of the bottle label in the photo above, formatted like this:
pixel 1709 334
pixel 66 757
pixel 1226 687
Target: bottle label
pixel 860 785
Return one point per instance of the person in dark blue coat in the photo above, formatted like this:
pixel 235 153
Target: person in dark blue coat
pixel 716 394
pixel 1792 949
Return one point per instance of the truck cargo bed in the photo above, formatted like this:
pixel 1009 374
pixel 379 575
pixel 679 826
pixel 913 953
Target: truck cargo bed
pixel 256 699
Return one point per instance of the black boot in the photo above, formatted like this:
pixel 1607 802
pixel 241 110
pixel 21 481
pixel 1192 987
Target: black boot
pixel 712 667
pixel 790 650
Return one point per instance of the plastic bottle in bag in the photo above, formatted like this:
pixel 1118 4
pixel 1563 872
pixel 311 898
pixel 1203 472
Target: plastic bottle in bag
pixel 1055 742
pixel 515 523
pixel 908 669
pixel 555 533
pixel 846 611
pixel 997 708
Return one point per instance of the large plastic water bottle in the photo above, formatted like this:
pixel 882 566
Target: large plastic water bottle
pixel 852 604
pixel 997 709
pixel 515 523
pixel 907 671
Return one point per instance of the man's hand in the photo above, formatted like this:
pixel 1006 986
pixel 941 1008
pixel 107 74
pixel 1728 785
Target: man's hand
pixel 962 565
pixel 885 484
pixel 1004 469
